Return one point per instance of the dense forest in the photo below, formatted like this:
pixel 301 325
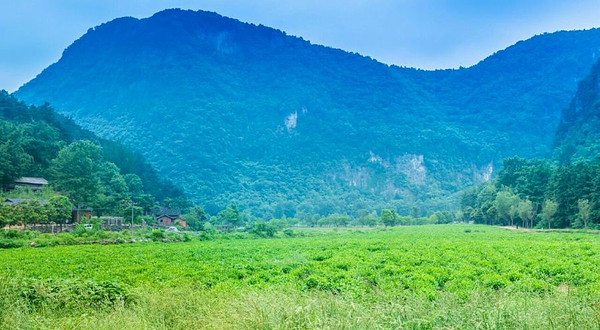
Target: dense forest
pixel 561 191
pixel 537 193
pixel 245 114
pixel 87 171
pixel 578 134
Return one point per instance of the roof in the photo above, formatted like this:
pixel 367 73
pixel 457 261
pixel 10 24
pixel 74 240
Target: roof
pixel 29 180
pixel 84 209
pixel 15 201
pixel 171 213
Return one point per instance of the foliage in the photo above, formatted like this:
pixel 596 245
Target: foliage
pixel 234 112
pixel 196 218
pixel 537 192
pixel 75 172
pixel 57 210
pixel 578 134
pixel 388 217
pixel 415 277
pixel 35 141
pixel 549 211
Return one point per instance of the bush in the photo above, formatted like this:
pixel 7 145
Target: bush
pixel 157 235
pixel 9 244
pixel 18 234
pixel 72 294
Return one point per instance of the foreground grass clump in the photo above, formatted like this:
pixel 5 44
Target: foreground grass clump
pixel 432 277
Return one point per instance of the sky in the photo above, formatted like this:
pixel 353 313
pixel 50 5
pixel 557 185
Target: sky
pixel 427 34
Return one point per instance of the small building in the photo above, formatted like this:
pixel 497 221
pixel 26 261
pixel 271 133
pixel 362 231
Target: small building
pixel 112 221
pixel 168 217
pixel 30 183
pixel 79 214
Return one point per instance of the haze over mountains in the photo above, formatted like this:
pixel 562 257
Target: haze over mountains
pixel 234 112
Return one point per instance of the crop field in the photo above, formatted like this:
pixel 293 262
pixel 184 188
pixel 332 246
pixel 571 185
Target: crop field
pixel 425 277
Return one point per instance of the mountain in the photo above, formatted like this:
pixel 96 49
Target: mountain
pixel 578 133
pixel 238 113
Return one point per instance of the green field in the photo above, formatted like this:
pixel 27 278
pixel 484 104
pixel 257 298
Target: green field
pixel 426 277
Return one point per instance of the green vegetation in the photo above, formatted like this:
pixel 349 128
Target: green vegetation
pixel 245 114
pixel 428 277
pixel 536 193
pixel 57 209
pixel 12 238
pixel 578 135
pixel 35 141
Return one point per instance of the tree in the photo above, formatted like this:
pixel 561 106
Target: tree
pixel 135 184
pixel 415 212
pixel 33 212
pixel 335 219
pixel 230 217
pixel 526 213
pixel 584 211
pixel 75 172
pixel 459 215
pixel 549 210
pixel 507 204
pixel 6 215
pixel 196 218
pixel 58 209
pixel 14 161
pixel 368 219
pixel 388 217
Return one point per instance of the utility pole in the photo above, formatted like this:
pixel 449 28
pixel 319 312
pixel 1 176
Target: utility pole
pixel 132 204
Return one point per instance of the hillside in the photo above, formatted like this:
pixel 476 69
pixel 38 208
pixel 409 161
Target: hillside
pixel 234 112
pixel 37 142
pixel 578 134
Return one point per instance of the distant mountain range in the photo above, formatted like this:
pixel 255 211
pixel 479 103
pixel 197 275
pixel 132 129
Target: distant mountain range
pixel 238 113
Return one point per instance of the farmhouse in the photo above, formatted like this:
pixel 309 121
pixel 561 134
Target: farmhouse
pixel 168 217
pixel 30 183
pixel 78 214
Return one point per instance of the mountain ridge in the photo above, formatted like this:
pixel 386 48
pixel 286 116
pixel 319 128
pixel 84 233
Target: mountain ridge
pixel 251 115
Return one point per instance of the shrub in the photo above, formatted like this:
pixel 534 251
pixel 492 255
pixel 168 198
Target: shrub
pixel 9 244
pixel 157 235
pixel 72 294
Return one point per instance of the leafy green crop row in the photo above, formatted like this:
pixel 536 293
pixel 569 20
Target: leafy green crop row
pixel 430 264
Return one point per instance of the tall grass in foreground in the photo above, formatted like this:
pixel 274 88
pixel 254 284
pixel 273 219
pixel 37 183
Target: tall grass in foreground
pixel 189 308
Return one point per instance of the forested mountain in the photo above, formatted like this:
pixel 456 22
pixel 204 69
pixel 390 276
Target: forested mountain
pixel 94 172
pixel 578 134
pixel 235 112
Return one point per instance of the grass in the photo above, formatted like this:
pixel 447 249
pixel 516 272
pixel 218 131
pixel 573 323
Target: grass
pixel 428 277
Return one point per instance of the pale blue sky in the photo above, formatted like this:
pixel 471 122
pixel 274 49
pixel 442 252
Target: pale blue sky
pixel 419 33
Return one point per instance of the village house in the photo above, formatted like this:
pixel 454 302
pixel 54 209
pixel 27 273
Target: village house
pixel 77 215
pixel 30 183
pixel 168 217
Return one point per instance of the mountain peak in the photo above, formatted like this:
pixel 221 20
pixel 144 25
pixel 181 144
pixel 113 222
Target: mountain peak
pixel 209 100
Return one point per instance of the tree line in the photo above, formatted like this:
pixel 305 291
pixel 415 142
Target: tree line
pixel 231 217
pixel 537 193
